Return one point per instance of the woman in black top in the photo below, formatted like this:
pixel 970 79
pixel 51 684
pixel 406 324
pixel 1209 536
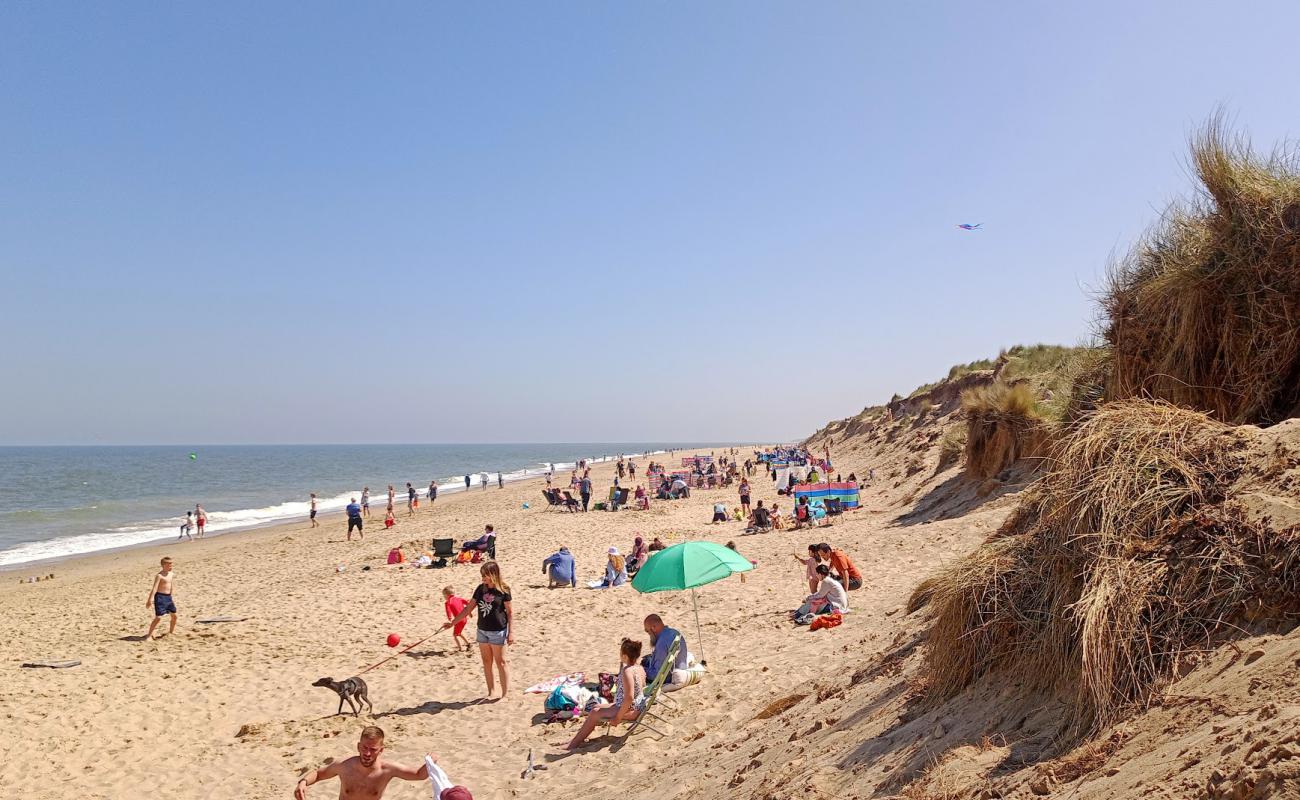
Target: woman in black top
pixel 495 618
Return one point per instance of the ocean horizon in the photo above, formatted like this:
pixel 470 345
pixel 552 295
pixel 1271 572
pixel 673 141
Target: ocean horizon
pixel 58 501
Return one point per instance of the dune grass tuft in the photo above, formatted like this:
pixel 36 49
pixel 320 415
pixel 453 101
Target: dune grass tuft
pixel 1205 310
pixel 1127 555
pixel 1003 425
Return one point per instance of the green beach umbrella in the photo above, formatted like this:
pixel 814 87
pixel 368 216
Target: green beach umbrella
pixel 686 566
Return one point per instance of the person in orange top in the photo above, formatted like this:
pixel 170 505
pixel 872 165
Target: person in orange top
pixel 845 572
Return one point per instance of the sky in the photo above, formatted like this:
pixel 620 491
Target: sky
pixel 576 221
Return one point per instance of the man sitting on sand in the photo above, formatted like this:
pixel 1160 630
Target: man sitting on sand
pixel 367 774
pixel 560 568
pixel 662 636
pixel 842 567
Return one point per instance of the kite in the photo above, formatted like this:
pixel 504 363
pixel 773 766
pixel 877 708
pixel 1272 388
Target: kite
pixel 966 226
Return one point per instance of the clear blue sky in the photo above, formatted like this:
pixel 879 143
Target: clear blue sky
pixel 314 222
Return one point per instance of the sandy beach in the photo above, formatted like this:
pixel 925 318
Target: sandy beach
pixel 228 710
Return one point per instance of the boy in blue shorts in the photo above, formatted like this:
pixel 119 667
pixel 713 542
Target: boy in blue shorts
pixel 160 598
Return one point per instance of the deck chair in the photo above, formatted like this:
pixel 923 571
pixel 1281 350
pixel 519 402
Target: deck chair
pixel 570 503
pixel 443 549
pixel 653 695
pixel 553 499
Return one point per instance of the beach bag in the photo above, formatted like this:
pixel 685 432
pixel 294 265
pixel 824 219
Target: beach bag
pixel 396 556
pixel 607 680
pixel 556 700
pixel 465 557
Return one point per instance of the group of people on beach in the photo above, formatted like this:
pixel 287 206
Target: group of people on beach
pixel 830 572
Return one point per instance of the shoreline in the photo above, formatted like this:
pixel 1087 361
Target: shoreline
pixel 446 490
pixel 42 567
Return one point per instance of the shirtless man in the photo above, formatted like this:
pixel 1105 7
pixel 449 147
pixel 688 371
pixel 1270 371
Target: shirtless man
pixel 160 598
pixel 365 775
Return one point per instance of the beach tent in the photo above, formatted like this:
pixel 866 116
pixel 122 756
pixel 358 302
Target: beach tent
pixel 846 492
pixel 686 566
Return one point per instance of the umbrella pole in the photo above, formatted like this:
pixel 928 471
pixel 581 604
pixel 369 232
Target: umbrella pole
pixel 699 634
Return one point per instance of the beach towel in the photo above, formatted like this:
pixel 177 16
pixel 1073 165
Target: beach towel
pixel 559 680
pixel 443 788
pixel 826 621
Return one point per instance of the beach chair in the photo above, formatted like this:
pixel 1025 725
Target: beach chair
pixel 553 499
pixel 653 694
pixel 443 549
pixel 570 503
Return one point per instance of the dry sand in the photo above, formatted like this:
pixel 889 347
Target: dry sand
pixel 136 715
pixel 784 712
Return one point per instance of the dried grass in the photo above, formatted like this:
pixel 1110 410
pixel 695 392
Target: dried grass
pixel 1003 425
pixel 1205 311
pixel 1124 557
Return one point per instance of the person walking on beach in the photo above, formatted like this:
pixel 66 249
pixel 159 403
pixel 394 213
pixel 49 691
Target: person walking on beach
pixel 410 499
pixel 365 501
pixel 391 494
pixel 354 519
pixel 467 483
pixel 187 526
pixel 314 523
pixel 501 483
pixel 483 480
pixel 744 495
pixel 160 598
pixel 495 628
pixel 433 492
pixel 367 774
pixel 584 488
pixel 200 518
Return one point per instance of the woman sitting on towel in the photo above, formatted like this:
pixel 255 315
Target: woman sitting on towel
pixel 628 698
pixel 615 570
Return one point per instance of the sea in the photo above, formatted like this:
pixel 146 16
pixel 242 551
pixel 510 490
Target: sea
pixel 58 502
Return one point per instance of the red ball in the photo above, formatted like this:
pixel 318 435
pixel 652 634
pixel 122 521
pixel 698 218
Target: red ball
pixel 394 640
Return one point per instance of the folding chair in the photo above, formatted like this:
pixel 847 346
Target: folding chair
pixel 444 548
pixel 652 695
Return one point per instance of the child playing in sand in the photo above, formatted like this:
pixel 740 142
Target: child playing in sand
pixel 160 598
pixel 389 520
pixel 453 605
